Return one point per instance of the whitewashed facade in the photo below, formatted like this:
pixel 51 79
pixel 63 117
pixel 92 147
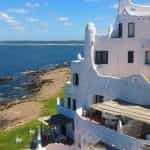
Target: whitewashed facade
pixel 115 66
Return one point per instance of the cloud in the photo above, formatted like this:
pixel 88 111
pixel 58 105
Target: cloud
pixel 11 21
pixel 17 10
pixel 115 6
pixel 32 5
pixel 64 20
pixel 8 19
pixel 32 20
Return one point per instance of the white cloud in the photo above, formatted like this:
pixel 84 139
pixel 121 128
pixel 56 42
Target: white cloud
pixel 115 6
pixel 63 19
pixel 32 20
pixel 8 19
pixel 17 10
pixel 11 21
pixel 32 5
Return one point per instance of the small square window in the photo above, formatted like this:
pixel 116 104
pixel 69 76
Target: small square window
pixel 101 57
pixel 130 56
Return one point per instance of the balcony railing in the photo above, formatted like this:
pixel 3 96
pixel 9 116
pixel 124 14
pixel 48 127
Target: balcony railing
pixel 96 117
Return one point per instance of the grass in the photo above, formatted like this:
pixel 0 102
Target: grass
pixel 8 138
pixel 49 105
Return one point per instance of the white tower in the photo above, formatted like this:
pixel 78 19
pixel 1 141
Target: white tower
pixel 90 35
pixel 123 4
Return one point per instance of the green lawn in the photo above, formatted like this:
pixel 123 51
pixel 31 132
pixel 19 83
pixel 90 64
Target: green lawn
pixel 49 105
pixel 7 138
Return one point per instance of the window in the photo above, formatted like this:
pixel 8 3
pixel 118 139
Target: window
pixel 131 30
pixel 147 57
pixel 98 99
pixel 120 30
pixel 75 79
pixel 69 102
pixel 130 56
pixel 74 105
pixel 101 57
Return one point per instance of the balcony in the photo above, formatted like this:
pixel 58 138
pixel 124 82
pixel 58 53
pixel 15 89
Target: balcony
pixel 97 118
pixel 61 109
pixel 98 131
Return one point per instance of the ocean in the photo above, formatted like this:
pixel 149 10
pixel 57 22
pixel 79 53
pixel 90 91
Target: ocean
pixel 18 58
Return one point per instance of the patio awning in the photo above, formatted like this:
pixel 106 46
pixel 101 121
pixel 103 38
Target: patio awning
pixel 58 119
pixel 116 108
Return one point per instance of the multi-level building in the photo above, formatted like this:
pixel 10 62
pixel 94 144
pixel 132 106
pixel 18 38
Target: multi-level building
pixel 108 99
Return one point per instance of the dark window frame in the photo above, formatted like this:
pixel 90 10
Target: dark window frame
pixel 75 79
pixel 101 57
pixel 130 57
pixel 74 105
pixel 98 99
pixel 69 103
pixel 147 62
pixel 120 30
pixel 131 35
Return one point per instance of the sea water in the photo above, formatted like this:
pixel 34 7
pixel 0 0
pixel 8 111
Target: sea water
pixel 18 58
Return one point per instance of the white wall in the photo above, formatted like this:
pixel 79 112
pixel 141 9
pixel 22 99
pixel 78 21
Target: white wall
pixel 91 133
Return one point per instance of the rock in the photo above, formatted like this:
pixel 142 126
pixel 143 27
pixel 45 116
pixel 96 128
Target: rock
pixel 5 79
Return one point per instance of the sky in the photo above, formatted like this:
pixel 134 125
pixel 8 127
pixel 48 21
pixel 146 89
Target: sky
pixel 55 19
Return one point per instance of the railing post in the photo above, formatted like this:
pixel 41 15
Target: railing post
pixel 58 101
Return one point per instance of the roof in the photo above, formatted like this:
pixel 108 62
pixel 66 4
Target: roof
pixel 135 112
pixel 58 119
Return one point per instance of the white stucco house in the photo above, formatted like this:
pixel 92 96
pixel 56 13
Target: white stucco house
pixel 108 99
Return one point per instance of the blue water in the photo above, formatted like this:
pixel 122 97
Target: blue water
pixel 15 59
pixel 18 58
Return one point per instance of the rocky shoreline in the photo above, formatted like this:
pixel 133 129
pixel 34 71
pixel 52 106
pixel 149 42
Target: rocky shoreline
pixel 34 86
pixel 5 79
pixel 47 84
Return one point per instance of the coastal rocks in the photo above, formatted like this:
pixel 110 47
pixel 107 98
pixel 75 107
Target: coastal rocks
pixel 5 79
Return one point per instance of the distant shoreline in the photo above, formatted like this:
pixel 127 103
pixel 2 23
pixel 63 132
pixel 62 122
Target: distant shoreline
pixel 42 44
